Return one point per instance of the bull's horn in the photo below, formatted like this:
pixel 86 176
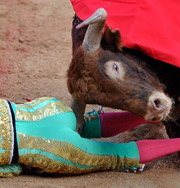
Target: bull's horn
pixel 93 34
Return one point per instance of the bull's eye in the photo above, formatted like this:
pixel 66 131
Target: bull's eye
pixel 115 70
pixel 115 67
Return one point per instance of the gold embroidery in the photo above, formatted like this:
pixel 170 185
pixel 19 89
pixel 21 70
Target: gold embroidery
pixel 34 103
pixel 90 117
pixel 6 135
pixel 125 163
pixel 50 166
pixel 10 170
pixel 51 108
pixel 74 154
pixel 6 175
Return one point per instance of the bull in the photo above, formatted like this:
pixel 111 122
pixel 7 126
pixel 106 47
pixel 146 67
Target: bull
pixel 104 72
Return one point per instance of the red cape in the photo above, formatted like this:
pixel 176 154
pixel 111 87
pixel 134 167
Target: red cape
pixel 152 26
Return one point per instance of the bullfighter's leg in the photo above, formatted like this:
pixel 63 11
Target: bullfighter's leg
pixel 95 126
pixel 56 148
pixel 152 149
pixel 118 122
pixel 110 124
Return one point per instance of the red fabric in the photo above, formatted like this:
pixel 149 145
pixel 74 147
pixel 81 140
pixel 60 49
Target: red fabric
pixel 153 149
pixel 118 122
pixel 152 26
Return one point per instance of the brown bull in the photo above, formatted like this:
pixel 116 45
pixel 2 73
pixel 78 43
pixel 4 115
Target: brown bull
pixel 104 73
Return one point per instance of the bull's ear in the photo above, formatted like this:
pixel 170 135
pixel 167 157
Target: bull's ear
pixel 111 40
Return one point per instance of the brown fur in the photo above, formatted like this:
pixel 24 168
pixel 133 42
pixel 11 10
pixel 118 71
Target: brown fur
pixel 111 40
pixel 88 82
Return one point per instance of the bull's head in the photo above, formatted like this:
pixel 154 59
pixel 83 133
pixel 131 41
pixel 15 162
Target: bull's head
pixel 113 79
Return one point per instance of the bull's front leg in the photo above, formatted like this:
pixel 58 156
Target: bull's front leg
pixel 78 108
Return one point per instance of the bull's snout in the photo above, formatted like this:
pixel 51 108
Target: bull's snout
pixel 158 107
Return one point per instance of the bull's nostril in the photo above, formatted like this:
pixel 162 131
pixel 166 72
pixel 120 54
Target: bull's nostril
pixel 158 108
pixel 156 119
pixel 157 103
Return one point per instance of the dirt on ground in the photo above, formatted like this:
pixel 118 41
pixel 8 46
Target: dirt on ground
pixel 35 52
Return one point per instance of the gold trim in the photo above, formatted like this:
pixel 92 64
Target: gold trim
pixel 35 102
pixel 6 133
pixel 50 109
pixel 50 166
pixel 6 175
pixel 10 170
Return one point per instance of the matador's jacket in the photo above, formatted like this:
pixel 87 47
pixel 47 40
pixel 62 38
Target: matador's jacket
pixel 41 134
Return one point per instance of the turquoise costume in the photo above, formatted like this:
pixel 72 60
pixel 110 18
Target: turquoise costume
pixel 44 132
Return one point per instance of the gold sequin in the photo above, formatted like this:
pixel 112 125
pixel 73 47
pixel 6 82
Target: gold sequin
pixel 51 108
pixel 6 133
pixel 52 166
pixel 10 170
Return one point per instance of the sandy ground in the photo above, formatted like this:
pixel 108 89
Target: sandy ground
pixel 35 52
